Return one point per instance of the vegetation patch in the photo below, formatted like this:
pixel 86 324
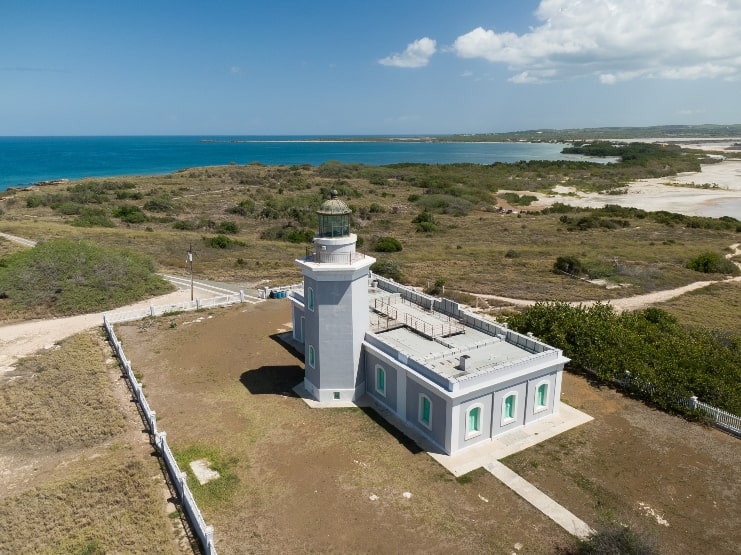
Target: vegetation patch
pixel 64 277
pixel 35 406
pixel 712 263
pixel 114 508
pixel 215 492
pixel 387 244
pixel 648 352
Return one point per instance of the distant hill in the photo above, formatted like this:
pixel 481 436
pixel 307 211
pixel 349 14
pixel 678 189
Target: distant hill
pixel 676 132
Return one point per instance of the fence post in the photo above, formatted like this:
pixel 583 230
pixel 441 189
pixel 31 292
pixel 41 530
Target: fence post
pixel 198 304
pixel 153 424
pixel 151 310
pixel 159 440
pixel 626 379
pixel 693 402
pixel 241 296
pixel 210 540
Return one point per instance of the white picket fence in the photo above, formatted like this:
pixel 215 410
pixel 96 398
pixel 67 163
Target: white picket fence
pixel 204 532
pixel 212 302
pixel 722 419
pixel 726 421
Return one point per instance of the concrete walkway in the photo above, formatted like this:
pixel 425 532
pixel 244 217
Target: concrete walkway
pixel 557 513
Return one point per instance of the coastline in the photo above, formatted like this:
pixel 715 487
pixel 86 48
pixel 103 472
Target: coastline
pixel 714 191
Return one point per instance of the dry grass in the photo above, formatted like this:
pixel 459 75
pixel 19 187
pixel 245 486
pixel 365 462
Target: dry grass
pixel 106 507
pixel 77 475
pixel 717 307
pixel 301 480
pixel 37 398
pixel 468 251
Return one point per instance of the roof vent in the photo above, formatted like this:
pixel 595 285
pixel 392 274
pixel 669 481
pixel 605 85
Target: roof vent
pixel 465 363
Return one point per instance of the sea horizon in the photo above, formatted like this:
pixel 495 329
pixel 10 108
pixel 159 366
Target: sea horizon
pixel 27 160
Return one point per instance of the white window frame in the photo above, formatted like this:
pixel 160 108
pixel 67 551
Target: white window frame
pixel 509 419
pixel 474 433
pixel 310 298
pixel 312 356
pixel 420 411
pixel 536 406
pixel 381 370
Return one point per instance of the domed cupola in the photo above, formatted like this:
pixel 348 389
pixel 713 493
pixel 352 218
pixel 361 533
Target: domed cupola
pixel 334 218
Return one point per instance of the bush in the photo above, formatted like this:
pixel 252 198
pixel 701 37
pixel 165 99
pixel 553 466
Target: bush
pixel 425 222
pixel 387 244
pixel 34 201
pixel 288 233
pixel 245 207
pixel 93 217
pixel 387 268
pixel 569 265
pixel 219 242
pixel 227 227
pixel 159 204
pixel 712 263
pixel 72 277
pixel 130 214
pixel 616 540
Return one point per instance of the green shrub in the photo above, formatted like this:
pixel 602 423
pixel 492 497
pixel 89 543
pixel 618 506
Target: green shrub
pixel 34 201
pixel 425 222
pixel 569 264
pixel 72 277
pixel 387 268
pixel 130 214
pixel 227 227
pixel 159 204
pixel 219 242
pixel 387 244
pixel 93 217
pixel 288 233
pixel 244 208
pixel 712 263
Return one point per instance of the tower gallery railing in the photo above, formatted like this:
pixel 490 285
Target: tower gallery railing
pixel 323 257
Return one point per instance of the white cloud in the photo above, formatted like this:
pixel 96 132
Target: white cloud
pixel 417 54
pixel 617 40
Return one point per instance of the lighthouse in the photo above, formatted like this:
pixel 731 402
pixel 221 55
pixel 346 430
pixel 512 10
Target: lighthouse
pixel 334 317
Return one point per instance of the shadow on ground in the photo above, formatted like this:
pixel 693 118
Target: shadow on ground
pixel 272 380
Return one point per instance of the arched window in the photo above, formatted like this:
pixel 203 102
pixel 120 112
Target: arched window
pixel 473 421
pixel 310 299
pixel 509 407
pixel 381 380
pixel 312 356
pixel 541 396
pixel 425 410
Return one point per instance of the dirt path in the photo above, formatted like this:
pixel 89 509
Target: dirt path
pixel 636 302
pixel 25 338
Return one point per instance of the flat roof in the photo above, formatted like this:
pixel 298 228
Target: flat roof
pixel 436 340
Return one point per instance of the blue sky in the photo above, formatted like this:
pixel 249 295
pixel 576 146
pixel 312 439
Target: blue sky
pixel 382 67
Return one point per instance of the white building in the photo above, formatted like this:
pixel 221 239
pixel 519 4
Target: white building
pixel 452 376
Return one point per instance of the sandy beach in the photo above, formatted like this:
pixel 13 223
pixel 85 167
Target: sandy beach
pixel 714 191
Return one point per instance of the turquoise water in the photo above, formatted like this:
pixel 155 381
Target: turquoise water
pixel 27 160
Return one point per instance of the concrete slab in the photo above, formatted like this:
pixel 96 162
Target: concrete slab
pixel 203 471
pixel 515 441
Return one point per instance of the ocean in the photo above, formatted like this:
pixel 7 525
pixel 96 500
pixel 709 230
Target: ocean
pixel 28 160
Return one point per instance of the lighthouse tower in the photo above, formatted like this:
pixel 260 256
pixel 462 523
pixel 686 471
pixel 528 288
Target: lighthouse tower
pixel 334 316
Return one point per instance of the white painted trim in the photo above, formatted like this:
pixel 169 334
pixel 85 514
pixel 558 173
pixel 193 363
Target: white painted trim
pixel 427 425
pixel 475 433
pixel 505 419
pixel 540 408
pixel 380 368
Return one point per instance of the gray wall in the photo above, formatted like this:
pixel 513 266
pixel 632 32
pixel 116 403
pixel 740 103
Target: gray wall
pixel 532 387
pixel 486 411
pixel 371 361
pixel 496 413
pixel 439 412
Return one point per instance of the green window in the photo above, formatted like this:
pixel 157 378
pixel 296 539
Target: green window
pixel 312 356
pixel 380 380
pixel 425 410
pixel 310 299
pixel 509 406
pixel 542 395
pixel 474 420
